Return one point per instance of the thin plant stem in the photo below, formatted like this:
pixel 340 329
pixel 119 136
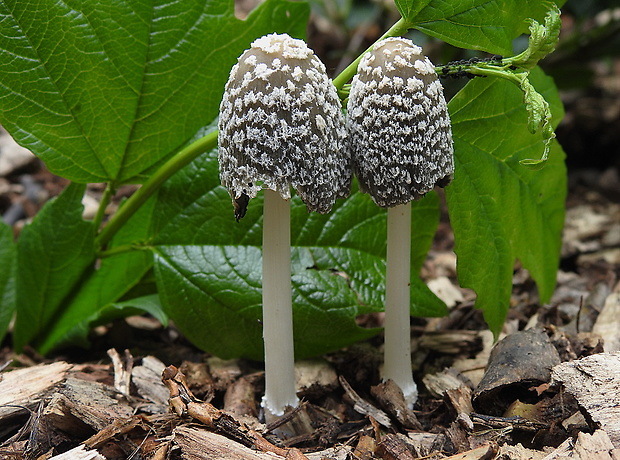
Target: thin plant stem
pixel 108 193
pixel 178 161
pixel 399 28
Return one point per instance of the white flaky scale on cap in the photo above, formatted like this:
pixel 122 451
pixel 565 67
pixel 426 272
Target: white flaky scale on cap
pixel 398 123
pixel 401 141
pixel 281 125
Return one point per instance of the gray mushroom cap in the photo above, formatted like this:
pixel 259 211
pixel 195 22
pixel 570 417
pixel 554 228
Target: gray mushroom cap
pixel 398 124
pixel 281 125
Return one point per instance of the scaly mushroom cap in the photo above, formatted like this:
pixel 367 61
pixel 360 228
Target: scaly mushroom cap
pixel 398 123
pixel 281 125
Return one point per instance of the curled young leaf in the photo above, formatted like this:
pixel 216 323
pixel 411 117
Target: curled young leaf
pixel 542 41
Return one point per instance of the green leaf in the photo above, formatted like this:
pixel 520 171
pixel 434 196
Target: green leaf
pixel 542 41
pixel 500 210
pixel 53 253
pixel 208 266
pixel 100 289
pixel 408 9
pixel 102 91
pixel 8 257
pixel 150 304
pixel 488 25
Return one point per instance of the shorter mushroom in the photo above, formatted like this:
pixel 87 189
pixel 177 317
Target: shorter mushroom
pixel 281 126
pixel 401 142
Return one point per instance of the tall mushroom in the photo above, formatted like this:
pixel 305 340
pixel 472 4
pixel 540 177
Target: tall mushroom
pixel 401 141
pixel 281 125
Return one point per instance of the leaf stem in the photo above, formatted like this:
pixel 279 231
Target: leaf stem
pixel 108 193
pixel 178 161
pixel 400 27
pixel 123 248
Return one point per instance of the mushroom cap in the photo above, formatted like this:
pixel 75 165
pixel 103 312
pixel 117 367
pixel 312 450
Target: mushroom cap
pixel 281 125
pixel 398 124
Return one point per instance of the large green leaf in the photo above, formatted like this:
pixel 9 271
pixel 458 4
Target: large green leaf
pixel 211 288
pixel 102 287
pixel 500 210
pixel 102 90
pixel 8 256
pixel 488 25
pixel 53 253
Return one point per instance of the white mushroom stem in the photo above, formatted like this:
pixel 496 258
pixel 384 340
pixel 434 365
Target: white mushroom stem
pixel 397 330
pixel 277 307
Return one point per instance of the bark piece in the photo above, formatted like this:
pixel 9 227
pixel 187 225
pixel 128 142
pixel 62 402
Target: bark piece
pixel 427 445
pixel 596 446
pixel 91 403
pixel 364 407
pixel 392 447
pixel 239 398
pixel 594 381
pixel 473 368
pixel 199 444
pixel 122 370
pixel 452 342
pixel 517 363
pixel 518 452
pixel 223 372
pixel 117 427
pixel 147 379
pixel 365 449
pixel 314 378
pixel 202 382
pixel 486 451
pixel 26 387
pixel 460 400
pixel 448 379
pixel 79 453
pixel 391 398
pixel 333 453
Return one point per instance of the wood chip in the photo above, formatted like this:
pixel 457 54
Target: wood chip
pixel 486 451
pixel 607 323
pixel 122 370
pixel 80 403
pixel 596 446
pixel 24 388
pixel 427 444
pixel 79 453
pixel 392 447
pixel 365 449
pixel 448 379
pixel 518 452
pixel 239 398
pixel 200 444
pixel 594 381
pixel 314 377
pixel 364 407
pixel 147 379
pixel 391 398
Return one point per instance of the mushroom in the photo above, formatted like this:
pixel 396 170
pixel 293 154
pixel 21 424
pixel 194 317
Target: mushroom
pixel 281 125
pixel 401 142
